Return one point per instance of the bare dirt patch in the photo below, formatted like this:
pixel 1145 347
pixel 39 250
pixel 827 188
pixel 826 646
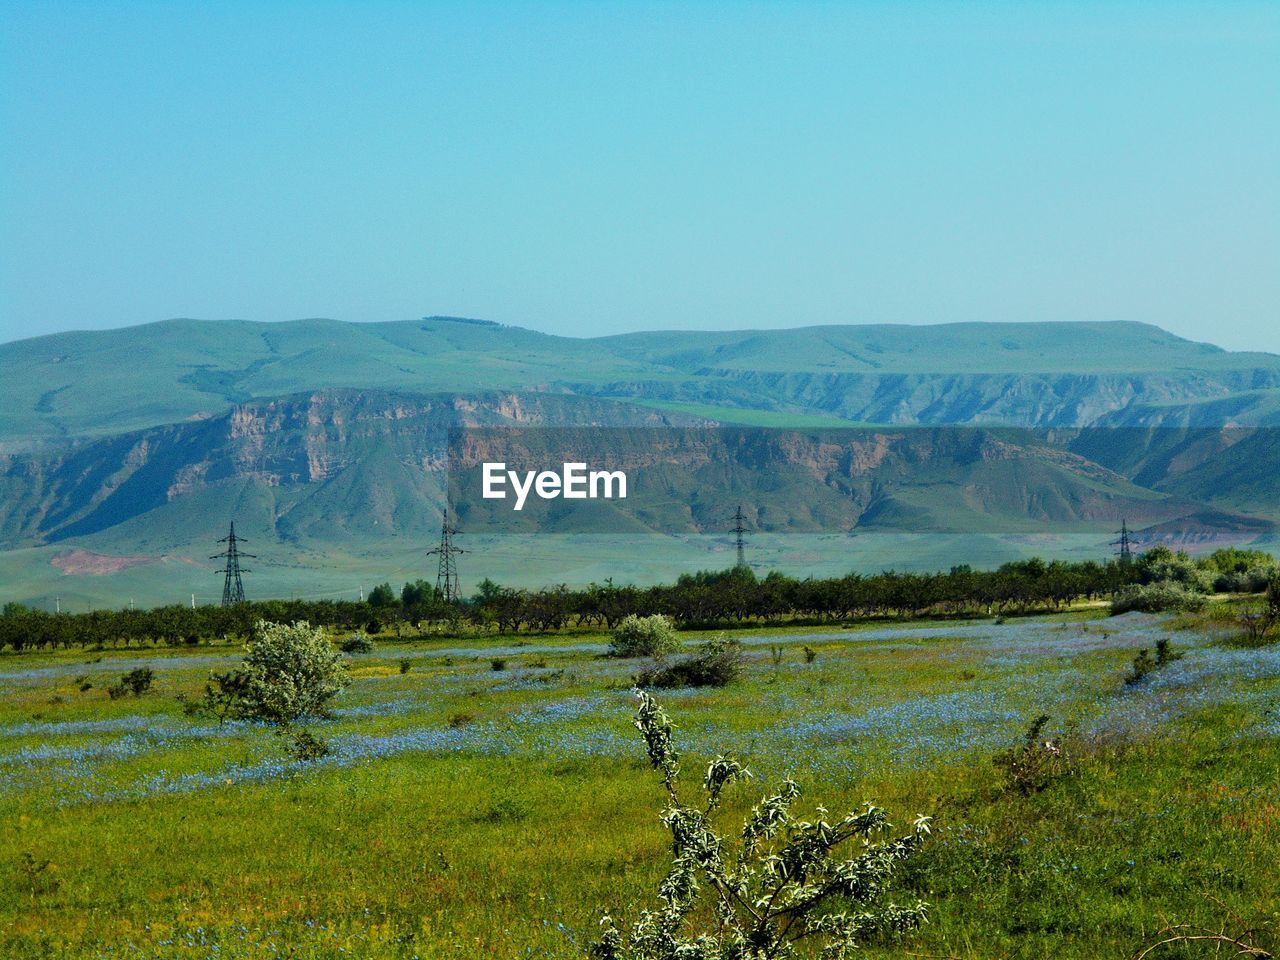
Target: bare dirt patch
pixel 95 564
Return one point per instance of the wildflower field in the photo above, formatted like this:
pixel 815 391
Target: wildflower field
pixel 490 798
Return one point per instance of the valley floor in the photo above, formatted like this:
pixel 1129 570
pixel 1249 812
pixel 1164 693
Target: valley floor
pixel 491 799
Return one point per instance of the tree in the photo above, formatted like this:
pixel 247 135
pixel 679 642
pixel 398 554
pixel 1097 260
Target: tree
pixel 382 596
pixel 291 672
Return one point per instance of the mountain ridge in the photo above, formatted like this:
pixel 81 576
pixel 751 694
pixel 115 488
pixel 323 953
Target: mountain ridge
pixel 101 382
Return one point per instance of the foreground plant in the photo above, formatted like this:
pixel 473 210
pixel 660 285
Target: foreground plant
pixel 779 886
pixel 1235 937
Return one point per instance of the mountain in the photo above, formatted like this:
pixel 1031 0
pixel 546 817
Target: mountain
pixel 321 436
pixel 104 382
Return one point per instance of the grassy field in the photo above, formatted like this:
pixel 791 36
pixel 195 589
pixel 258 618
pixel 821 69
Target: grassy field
pixel 314 571
pixel 467 811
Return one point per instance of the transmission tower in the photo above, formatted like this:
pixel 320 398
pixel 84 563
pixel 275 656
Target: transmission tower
pixel 1125 544
pixel 739 528
pixel 232 588
pixel 447 571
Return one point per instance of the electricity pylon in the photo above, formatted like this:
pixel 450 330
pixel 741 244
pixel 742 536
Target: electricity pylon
pixel 739 528
pixel 232 588
pixel 1125 544
pixel 447 571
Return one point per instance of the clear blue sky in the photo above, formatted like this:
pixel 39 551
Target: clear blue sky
pixel 598 167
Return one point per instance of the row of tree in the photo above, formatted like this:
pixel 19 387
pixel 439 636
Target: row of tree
pixel 732 596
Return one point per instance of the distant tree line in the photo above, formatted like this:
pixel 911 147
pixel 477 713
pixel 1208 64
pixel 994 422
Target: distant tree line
pixel 708 598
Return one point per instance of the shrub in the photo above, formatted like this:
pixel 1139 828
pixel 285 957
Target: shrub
pixel 506 810
pixel 117 690
pixel 223 696
pixel 304 745
pixel 810 654
pixel 406 666
pixel 653 636
pixel 138 681
pixel 1252 580
pixel 35 875
pixel 1143 664
pixel 1257 623
pixel 781 882
pixel 498 664
pixel 1162 565
pixel 358 642
pixel 1034 763
pixel 291 671
pixel 717 663
pixel 1157 597
pixel 1165 654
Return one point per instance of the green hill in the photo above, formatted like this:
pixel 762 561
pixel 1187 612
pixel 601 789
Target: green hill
pixel 103 382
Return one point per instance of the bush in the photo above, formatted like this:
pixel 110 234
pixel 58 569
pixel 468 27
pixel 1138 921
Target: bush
pixel 498 664
pixel 1143 664
pixel 717 663
pixel 1035 763
pixel 138 681
pixel 653 636
pixel 1157 597
pixel 1259 621
pixel 223 697
pixel 780 883
pixel 1162 565
pixel 406 666
pixel 1253 580
pixel 306 746
pixel 358 642
pixel 290 672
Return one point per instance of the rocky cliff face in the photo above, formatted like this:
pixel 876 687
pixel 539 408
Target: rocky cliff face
pixel 346 458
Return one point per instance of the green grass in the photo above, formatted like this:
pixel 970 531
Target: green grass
pixel 516 807
pixel 749 417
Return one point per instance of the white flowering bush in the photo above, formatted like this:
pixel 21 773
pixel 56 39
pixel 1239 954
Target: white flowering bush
pixel 653 636
pixel 290 672
pixel 779 886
